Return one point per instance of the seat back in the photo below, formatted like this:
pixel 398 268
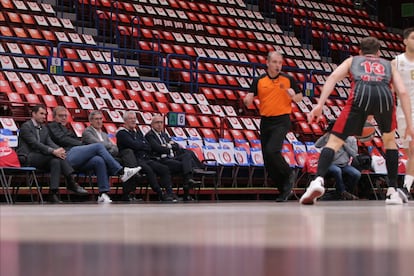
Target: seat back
pixel 241 156
pixel 256 157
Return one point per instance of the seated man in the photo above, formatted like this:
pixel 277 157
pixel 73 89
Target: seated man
pixel 37 149
pixel 128 138
pixel 87 157
pixel 94 134
pixel 341 165
pixel 169 153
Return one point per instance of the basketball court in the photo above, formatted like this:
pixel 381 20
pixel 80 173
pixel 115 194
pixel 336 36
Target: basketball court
pixel 223 238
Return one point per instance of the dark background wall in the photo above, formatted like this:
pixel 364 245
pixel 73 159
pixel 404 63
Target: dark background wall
pixel 389 12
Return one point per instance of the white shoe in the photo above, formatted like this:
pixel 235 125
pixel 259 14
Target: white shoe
pixel 104 198
pixel 129 172
pixel 313 192
pixel 393 198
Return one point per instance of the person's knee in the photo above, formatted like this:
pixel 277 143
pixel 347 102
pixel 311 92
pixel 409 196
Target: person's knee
pixel 389 140
pixel 55 163
pixel 97 161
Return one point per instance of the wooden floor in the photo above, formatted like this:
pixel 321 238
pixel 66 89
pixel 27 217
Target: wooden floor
pixel 225 238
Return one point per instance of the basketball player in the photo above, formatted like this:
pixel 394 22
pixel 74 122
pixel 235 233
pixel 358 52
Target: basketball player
pixel 404 63
pixel 370 94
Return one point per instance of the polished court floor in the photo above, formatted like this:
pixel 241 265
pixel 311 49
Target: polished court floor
pixel 224 238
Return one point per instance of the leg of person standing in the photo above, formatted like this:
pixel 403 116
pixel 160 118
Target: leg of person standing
pixel 273 132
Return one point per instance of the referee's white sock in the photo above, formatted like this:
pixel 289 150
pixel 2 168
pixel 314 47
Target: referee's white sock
pixel 408 181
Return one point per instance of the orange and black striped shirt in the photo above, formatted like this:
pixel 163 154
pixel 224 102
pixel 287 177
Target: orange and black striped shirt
pixel 272 94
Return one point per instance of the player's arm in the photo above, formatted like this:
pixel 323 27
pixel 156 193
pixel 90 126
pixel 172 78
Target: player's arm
pixel 248 100
pixel 399 87
pixel 338 74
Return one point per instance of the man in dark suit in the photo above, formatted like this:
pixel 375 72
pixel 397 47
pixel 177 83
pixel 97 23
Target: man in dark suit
pixel 129 139
pixel 169 153
pixel 37 149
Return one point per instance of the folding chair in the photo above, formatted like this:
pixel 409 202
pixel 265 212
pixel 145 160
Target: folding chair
pixel 256 162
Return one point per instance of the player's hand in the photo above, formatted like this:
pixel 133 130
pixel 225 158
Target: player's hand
pixel 315 114
pixel 409 134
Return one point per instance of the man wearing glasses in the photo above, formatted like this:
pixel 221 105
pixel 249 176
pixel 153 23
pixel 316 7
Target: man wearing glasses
pixel 95 134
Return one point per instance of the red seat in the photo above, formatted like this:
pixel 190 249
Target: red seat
pixel 20 32
pixel 5 86
pixel 48 35
pixel 189 108
pixel 70 53
pixel 236 134
pixel 49 100
pixel 208 133
pixel 162 107
pixel 146 106
pixel 91 68
pixel 20 87
pixel 32 99
pixel 305 128
pixel 119 84
pixel 38 88
pixel 147 96
pixel 69 102
pixel 219 94
pixel 208 93
pixel 105 83
pixel 78 67
pixel 134 95
pixel 78 128
pixel 175 107
pixel 206 121
pixel 91 82
pixel 250 135
pixel 43 50
pixel 192 120
pixel 35 34
pixel 6 31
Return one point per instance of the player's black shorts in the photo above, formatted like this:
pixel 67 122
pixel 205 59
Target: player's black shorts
pixel 367 98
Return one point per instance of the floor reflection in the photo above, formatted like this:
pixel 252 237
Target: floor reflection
pixel 27 258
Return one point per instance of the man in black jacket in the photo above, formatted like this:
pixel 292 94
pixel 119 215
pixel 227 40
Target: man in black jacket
pixel 37 149
pixel 128 138
pixel 87 157
pixel 169 153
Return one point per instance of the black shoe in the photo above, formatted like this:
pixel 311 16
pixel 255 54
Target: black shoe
pixel 130 198
pixel 285 191
pixel 169 198
pixel 74 187
pixel 348 196
pixel 188 198
pixel 54 199
pixel 284 197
